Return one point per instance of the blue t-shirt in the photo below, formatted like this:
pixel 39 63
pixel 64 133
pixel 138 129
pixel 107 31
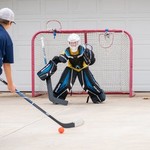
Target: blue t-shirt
pixel 6 48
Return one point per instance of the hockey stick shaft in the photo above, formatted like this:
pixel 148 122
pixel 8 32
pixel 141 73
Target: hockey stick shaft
pixel 49 83
pixel 64 125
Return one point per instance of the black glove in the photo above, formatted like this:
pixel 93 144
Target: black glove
pixel 89 57
pixel 59 59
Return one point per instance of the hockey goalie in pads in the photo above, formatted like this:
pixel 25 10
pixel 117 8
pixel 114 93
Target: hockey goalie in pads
pixel 48 70
pixel 79 58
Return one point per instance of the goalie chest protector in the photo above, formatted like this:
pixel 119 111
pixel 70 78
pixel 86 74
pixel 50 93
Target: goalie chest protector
pixel 76 59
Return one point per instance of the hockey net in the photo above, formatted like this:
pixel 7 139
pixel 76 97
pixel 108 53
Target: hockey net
pixel 114 59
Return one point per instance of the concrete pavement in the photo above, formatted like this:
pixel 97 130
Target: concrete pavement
pixel 120 123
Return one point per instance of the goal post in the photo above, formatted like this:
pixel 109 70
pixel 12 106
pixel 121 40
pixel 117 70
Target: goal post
pixel 113 68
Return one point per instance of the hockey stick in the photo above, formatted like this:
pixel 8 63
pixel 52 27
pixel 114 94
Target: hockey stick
pixel 64 125
pixel 49 82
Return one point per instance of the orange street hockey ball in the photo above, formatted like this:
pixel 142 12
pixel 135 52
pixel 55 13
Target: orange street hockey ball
pixel 61 130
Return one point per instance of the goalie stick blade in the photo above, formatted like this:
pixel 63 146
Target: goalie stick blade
pixel 58 101
pixel 50 94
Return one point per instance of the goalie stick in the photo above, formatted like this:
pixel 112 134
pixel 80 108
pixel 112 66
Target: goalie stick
pixel 49 82
pixel 64 125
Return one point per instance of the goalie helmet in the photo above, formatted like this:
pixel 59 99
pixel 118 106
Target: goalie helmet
pixel 74 41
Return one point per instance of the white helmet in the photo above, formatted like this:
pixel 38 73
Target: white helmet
pixel 74 41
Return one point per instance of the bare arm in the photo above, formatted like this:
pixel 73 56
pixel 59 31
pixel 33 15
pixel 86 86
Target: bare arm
pixel 7 70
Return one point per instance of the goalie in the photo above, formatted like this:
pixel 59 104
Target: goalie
pixel 79 59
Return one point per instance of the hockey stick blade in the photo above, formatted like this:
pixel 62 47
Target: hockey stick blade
pixel 64 125
pixel 50 94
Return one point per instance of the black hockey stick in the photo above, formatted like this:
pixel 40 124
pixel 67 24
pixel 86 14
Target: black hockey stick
pixel 49 82
pixel 64 125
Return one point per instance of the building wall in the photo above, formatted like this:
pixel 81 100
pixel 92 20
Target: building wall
pixel 32 15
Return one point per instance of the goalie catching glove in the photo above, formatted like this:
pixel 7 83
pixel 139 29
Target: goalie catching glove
pixel 47 71
pixel 89 57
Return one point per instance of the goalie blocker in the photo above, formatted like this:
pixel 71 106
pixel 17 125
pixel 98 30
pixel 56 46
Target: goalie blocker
pixel 47 71
pixel 45 74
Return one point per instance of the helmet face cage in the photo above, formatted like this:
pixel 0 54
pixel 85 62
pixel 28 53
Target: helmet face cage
pixel 74 41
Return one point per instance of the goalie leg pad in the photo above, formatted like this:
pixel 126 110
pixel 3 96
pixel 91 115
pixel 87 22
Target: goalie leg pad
pixel 89 83
pixel 65 83
pixel 60 91
pixel 47 71
pixel 102 95
pixel 98 97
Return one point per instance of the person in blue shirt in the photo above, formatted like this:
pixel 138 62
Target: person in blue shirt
pixel 6 46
